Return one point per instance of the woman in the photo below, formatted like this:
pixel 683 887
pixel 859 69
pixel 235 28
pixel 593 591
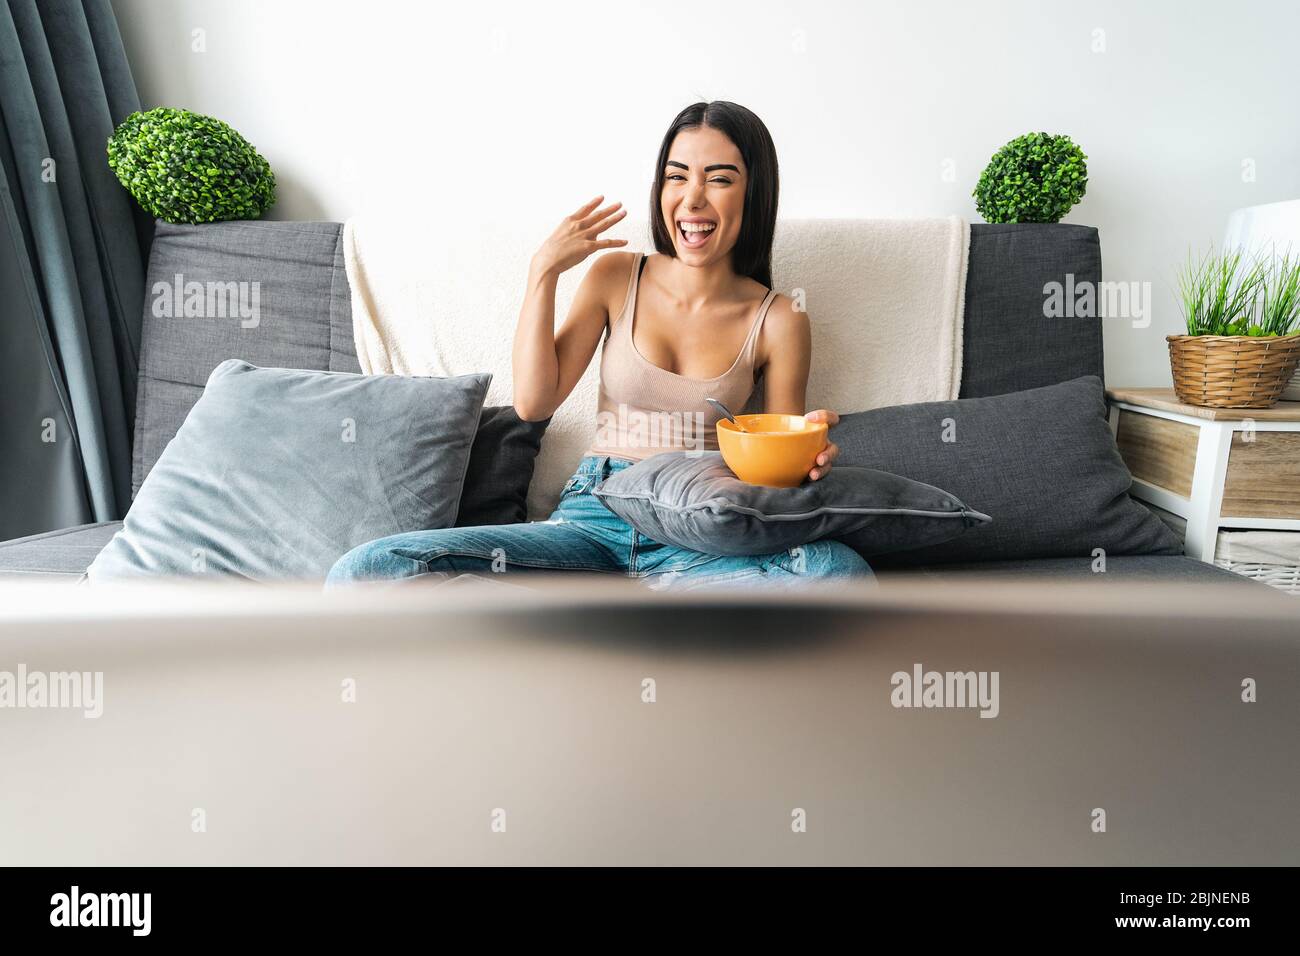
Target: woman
pixel 696 320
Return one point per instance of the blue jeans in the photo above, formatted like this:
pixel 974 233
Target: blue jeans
pixel 583 535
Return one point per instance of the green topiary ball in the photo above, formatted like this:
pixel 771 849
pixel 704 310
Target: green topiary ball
pixel 186 167
pixel 1034 178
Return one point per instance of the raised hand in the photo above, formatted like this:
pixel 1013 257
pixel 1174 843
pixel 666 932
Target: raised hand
pixel 575 238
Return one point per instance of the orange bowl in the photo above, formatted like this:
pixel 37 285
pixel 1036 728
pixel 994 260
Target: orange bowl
pixel 774 450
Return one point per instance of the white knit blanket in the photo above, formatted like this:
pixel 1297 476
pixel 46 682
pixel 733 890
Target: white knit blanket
pixel 885 297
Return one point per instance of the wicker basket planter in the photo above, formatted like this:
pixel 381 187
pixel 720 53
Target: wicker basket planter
pixel 1232 371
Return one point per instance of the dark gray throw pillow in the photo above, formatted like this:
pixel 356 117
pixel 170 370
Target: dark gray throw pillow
pixel 697 502
pixel 276 473
pixel 500 468
pixel 1042 462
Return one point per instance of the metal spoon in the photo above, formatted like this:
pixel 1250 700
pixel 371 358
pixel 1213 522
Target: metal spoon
pixel 726 413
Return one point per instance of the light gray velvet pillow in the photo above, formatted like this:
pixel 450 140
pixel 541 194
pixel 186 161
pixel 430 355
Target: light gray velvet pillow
pixel 276 473
pixel 697 502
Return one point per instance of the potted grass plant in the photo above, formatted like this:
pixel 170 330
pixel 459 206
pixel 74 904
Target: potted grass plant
pixel 1243 329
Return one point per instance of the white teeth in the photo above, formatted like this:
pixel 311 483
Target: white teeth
pixel 697 226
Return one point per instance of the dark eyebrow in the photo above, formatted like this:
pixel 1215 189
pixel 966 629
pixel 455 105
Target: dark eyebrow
pixel 707 169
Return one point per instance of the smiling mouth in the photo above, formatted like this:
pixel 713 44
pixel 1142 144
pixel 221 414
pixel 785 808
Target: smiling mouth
pixel 696 234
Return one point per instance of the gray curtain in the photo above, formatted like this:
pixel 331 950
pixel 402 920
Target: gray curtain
pixel 72 247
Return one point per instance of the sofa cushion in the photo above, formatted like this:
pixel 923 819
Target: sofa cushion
pixel 277 473
pixel 1009 344
pixel 63 553
pixel 1042 462
pixel 696 502
pixel 290 274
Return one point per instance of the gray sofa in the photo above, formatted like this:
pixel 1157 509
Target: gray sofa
pixel 305 322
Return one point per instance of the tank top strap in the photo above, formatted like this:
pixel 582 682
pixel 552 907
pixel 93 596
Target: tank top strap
pixel 751 343
pixel 633 283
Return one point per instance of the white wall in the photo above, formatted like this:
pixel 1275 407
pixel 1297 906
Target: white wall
pixel 528 108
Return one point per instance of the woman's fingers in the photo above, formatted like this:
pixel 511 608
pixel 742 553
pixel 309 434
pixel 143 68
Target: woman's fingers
pixel 571 242
pixel 586 208
pixel 824 459
pixel 827 454
pixel 605 223
pixel 823 415
pixel 598 244
pixel 588 221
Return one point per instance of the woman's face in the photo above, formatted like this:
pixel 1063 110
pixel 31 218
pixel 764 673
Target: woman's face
pixel 703 198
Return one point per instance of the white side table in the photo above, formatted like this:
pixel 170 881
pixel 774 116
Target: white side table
pixel 1215 467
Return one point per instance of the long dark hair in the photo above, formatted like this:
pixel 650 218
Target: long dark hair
pixel 752 254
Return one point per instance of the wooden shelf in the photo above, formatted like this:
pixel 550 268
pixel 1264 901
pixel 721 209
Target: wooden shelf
pixel 1165 400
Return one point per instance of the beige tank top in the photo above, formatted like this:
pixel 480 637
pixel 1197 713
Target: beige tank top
pixel 644 409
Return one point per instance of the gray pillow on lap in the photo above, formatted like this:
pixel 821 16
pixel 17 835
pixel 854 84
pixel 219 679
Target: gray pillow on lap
pixel 697 502
pixel 1042 462
pixel 276 473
